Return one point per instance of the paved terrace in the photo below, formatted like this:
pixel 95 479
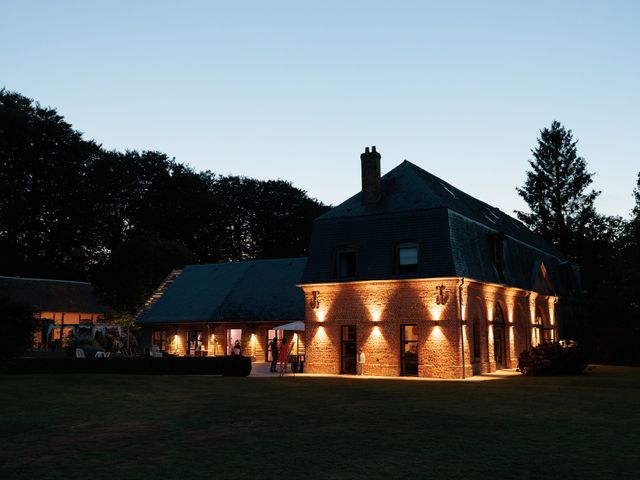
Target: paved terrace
pixel 261 369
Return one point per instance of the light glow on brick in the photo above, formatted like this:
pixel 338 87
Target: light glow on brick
pixel 437 335
pixel 321 313
pixel 321 334
pixel 375 312
pixel 436 312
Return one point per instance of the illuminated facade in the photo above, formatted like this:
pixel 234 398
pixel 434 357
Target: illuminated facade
pixel 204 309
pixel 427 281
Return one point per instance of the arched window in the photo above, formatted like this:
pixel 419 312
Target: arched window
pixel 537 328
pixel 499 338
pixel 475 328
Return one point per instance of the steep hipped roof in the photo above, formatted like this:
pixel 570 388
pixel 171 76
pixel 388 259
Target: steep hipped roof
pixel 409 188
pixel 256 290
pixel 456 233
pixel 46 295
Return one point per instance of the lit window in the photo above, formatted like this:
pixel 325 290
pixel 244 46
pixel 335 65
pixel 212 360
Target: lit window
pixel 346 264
pixel 407 258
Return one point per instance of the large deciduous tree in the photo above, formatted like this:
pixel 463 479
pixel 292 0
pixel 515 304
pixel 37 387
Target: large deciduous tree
pixel 556 190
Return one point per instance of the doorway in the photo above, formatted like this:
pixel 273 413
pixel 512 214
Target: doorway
pixel 348 350
pixel 409 350
pixel 233 335
pixel 499 338
pixel 270 334
pixel 194 342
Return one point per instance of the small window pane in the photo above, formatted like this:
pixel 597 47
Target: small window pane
pixel 346 264
pixel 408 255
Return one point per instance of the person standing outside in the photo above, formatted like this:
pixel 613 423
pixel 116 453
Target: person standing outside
pixel 283 357
pixel 360 361
pixel 274 354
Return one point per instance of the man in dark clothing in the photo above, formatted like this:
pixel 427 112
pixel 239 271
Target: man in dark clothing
pixel 274 354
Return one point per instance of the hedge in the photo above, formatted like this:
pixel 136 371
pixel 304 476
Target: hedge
pixel 231 366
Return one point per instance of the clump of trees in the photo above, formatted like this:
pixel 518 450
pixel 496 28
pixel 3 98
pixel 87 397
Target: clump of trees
pixel 607 248
pixel 70 209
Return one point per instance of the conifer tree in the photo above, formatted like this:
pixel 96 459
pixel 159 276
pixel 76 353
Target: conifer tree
pixel 555 190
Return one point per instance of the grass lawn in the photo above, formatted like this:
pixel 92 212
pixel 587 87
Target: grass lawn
pixel 156 427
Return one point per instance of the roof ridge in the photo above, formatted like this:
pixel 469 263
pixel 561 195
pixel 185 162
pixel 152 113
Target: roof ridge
pixel 52 280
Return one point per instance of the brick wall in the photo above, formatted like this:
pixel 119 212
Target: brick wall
pixel 379 309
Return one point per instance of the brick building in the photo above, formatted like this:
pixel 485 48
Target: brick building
pixel 427 281
pixel 60 305
pixel 204 309
pixel 423 278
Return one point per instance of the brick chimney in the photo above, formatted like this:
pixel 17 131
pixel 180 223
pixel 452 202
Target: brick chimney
pixel 371 191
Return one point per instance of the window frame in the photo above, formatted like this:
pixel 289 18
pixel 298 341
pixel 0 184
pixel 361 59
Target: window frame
pixel 338 263
pixel 402 269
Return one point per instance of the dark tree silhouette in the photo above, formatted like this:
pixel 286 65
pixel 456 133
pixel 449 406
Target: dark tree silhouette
pixel 555 190
pixel 66 203
pixel 135 269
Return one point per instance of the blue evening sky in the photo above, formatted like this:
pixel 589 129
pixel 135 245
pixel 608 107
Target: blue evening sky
pixel 296 89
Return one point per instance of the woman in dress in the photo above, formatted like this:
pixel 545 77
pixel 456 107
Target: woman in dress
pixel 283 356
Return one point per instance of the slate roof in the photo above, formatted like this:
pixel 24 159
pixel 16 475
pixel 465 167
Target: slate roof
pixel 454 230
pixel 47 295
pixel 255 290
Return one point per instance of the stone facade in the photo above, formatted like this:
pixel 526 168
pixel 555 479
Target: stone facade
pixel 447 313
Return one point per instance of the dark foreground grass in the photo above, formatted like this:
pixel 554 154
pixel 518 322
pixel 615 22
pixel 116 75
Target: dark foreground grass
pixel 156 427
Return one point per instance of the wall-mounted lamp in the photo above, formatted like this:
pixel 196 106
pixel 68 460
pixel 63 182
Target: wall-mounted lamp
pixel 441 295
pixel 314 303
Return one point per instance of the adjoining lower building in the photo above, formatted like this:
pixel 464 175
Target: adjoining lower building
pixel 428 281
pixel 61 306
pixel 204 309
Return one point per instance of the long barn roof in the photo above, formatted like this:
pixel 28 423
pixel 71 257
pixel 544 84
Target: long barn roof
pixel 48 295
pixel 255 290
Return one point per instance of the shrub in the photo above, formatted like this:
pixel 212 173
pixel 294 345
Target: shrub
pixel 18 325
pixel 552 358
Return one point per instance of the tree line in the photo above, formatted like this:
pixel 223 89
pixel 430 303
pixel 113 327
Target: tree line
pixel 70 209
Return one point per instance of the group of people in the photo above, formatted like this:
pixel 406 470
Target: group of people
pixel 280 355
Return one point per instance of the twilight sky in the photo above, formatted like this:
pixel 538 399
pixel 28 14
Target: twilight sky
pixel 296 89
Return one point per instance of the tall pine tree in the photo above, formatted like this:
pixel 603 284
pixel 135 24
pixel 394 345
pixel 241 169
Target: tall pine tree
pixel 555 190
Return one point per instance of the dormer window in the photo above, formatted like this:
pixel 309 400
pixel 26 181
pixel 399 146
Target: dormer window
pixel 407 258
pixel 346 264
pixel 497 244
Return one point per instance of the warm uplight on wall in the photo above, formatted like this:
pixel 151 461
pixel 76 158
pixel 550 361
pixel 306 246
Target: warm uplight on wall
pixel 375 313
pixel 321 312
pixel 435 311
pixel 436 335
pixel 321 334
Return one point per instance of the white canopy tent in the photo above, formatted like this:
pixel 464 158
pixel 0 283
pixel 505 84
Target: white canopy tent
pixel 292 327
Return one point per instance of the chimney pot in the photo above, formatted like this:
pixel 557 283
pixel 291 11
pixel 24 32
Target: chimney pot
pixel 371 185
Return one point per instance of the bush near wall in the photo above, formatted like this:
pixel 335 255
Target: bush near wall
pixel 552 358
pixel 232 366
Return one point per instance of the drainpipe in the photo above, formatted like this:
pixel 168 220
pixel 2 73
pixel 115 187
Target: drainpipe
pixel 461 324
